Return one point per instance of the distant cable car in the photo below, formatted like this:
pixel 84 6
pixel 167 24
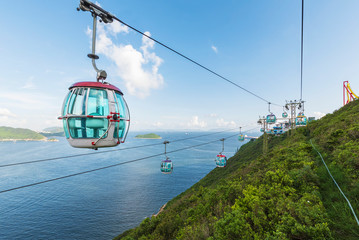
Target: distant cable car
pixel 221 159
pixel 277 130
pixel 241 136
pixel 166 165
pixel 95 114
pixel 271 118
pixel 262 130
pixel 284 114
pixel 301 120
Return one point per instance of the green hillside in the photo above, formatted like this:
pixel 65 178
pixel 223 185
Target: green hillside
pixel 19 134
pixel 286 194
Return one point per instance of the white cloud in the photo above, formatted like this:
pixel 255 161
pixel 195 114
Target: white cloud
pixel 222 123
pixel 116 27
pixel 319 115
pixel 4 112
pixel 195 122
pixel 29 83
pixel 137 68
pixel 214 48
pixel 157 124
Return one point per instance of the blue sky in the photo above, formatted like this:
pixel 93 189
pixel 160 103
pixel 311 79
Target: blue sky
pixel 253 43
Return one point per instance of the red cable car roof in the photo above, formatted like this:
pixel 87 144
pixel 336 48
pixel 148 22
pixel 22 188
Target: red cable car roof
pixel 96 85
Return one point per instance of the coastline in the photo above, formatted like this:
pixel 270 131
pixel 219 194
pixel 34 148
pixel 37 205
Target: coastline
pixel 147 138
pixel 29 140
pixel 161 209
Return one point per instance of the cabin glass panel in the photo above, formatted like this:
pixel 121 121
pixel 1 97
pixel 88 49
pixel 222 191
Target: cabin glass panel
pixel 64 108
pixel 97 105
pixel 166 167
pixel 221 161
pixel 121 109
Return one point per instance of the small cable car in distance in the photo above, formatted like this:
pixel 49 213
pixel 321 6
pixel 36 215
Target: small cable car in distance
pixel 284 114
pixel 301 120
pixel 241 136
pixel 221 159
pixel 95 114
pixel 271 118
pixel 166 165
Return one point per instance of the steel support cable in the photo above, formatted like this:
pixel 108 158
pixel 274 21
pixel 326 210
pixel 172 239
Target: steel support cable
pixel 107 151
pixel 193 61
pixel 350 206
pixel 301 53
pixel 109 166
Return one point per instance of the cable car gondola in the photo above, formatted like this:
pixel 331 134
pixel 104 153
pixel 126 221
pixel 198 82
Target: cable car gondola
pixel 166 165
pixel 221 159
pixel 95 114
pixel 301 120
pixel 241 136
pixel 284 114
pixel 271 118
pixel 277 130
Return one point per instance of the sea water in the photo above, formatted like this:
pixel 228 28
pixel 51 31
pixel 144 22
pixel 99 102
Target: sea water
pixel 101 204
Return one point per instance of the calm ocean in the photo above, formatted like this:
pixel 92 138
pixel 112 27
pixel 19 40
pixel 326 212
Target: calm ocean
pixel 102 204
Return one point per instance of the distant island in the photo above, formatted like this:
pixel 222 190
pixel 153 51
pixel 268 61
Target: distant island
pixel 149 136
pixel 53 132
pixel 9 134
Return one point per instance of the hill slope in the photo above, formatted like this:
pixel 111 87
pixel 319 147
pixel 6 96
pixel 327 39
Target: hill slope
pixel 286 194
pixel 19 134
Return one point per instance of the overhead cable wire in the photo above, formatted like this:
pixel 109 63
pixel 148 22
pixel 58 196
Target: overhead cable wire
pixel 301 54
pixel 107 151
pixel 193 61
pixel 109 166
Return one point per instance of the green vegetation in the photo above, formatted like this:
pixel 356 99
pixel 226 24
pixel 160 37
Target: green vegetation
pixel 149 136
pixel 9 133
pixel 286 194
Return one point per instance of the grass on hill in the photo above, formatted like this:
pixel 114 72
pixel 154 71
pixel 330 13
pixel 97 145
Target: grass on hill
pixel 19 134
pixel 286 194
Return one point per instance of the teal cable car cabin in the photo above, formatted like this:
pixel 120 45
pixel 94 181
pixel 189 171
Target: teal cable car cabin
pixel 221 160
pixel 166 166
pixel 95 115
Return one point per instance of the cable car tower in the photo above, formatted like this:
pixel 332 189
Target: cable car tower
pixel 95 114
pixel 295 120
